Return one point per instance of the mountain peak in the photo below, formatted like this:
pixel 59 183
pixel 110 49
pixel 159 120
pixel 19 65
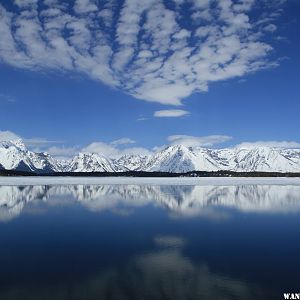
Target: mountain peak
pixel 14 143
pixel 90 162
pixel 181 148
pixel 91 155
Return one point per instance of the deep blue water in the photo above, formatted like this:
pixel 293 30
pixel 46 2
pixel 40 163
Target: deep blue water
pixel 149 242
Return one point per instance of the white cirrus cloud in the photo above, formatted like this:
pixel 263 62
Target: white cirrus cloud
pixel 170 113
pixel 141 47
pixel 59 152
pixel 101 148
pixel 271 28
pixel 198 141
pixel 113 151
pixel 123 141
pixel 271 144
pixel 39 142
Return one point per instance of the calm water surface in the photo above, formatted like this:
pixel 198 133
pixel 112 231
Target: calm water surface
pixel 149 242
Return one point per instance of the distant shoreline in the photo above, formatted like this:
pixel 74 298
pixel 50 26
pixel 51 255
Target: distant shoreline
pixel 204 181
pixel 197 174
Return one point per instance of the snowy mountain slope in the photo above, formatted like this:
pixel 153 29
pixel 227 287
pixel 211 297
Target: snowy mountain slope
pixel 179 159
pixel 131 162
pixel 15 156
pixel 90 162
pixel 43 161
pixel 263 159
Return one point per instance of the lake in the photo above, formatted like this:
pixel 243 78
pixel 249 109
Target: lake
pixel 149 241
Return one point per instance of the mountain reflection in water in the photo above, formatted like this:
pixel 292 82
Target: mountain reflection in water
pixel 181 200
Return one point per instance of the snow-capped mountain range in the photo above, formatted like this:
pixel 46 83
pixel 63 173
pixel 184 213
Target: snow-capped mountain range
pixel 177 159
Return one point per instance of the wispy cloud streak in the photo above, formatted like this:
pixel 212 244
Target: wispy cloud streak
pixel 170 113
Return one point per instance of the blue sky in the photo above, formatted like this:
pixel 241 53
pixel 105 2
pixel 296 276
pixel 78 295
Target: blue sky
pixel 131 76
